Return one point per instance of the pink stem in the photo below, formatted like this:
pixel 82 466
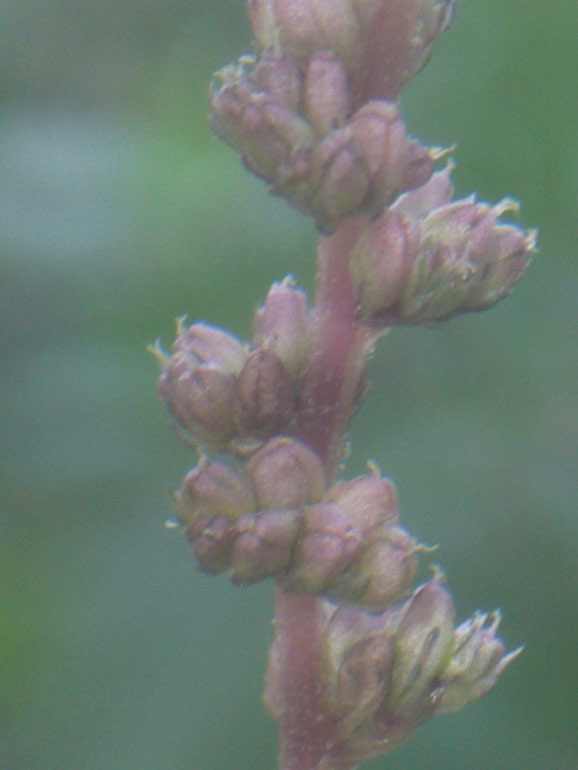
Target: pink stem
pixel 308 739
pixel 332 380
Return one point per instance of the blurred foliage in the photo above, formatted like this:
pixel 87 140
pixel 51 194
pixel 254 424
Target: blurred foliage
pixel 118 212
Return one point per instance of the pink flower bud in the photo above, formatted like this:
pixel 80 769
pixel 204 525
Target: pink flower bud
pixel 438 191
pixel 286 474
pixel 359 653
pixel 300 28
pixel 210 346
pixel 326 93
pixel 383 43
pixel 423 645
pixel 381 574
pixel 198 382
pixel 264 545
pixel 200 400
pixel 266 131
pixel 282 326
pixel 396 44
pixel 382 262
pixel 214 489
pixel 361 687
pixel 339 180
pixel 280 78
pixel 325 548
pixel 265 399
pixel 478 658
pixel 212 543
pixel 366 500
pixel 417 264
pixel 467 261
pixel 395 162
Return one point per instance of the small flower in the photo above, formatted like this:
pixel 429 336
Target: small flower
pixel 282 326
pixel 422 646
pixel 265 396
pixel 426 258
pixel 214 489
pixel 383 44
pixel 286 474
pixel 264 545
pixel 198 382
pixel 478 657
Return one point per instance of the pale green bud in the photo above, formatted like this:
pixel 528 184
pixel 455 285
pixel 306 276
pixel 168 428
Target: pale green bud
pixel 478 657
pixel 423 645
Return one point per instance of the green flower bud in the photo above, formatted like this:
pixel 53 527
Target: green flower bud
pixel 423 645
pixel 478 657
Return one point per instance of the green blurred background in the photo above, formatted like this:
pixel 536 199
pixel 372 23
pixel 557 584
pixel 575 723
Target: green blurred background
pixel 118 212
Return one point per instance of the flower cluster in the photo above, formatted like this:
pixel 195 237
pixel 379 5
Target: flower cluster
pixel 427 257
pixel 274 517
pixel 387 674
pixel 297 130
pixel 315 114
pixel 226 395
pixel 269 511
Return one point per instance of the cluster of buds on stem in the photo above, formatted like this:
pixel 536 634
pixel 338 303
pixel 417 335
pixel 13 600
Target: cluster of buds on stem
pixel 314 113
pixel 386 674
pixel 427 257
pixel 227 395
pixel 273 516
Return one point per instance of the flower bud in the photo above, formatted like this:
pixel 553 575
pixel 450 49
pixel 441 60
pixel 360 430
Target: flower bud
pixel 467 261
pixel 325 548
pixel 286 474
pixel 423 645
pixel 477 659
pixel 339 180
pixel 265 398
pixel 418 264
pixel 326 93
pixel 382 262
pixel 213 489
pixel 395 162
pixel 264 545
pixel 280 78
pixel 380 574
pixel 359 655
pixel 363 681
pixel 282 326
pixel 367 500
pixel 210 346
pixel 437 191
pixel 300 28
pixel 382 44
pixel 212 542
pixel 268 133
pixel 198 382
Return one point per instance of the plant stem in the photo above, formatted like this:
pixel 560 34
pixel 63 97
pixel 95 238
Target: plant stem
pixel 307 728
pixel 332 379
